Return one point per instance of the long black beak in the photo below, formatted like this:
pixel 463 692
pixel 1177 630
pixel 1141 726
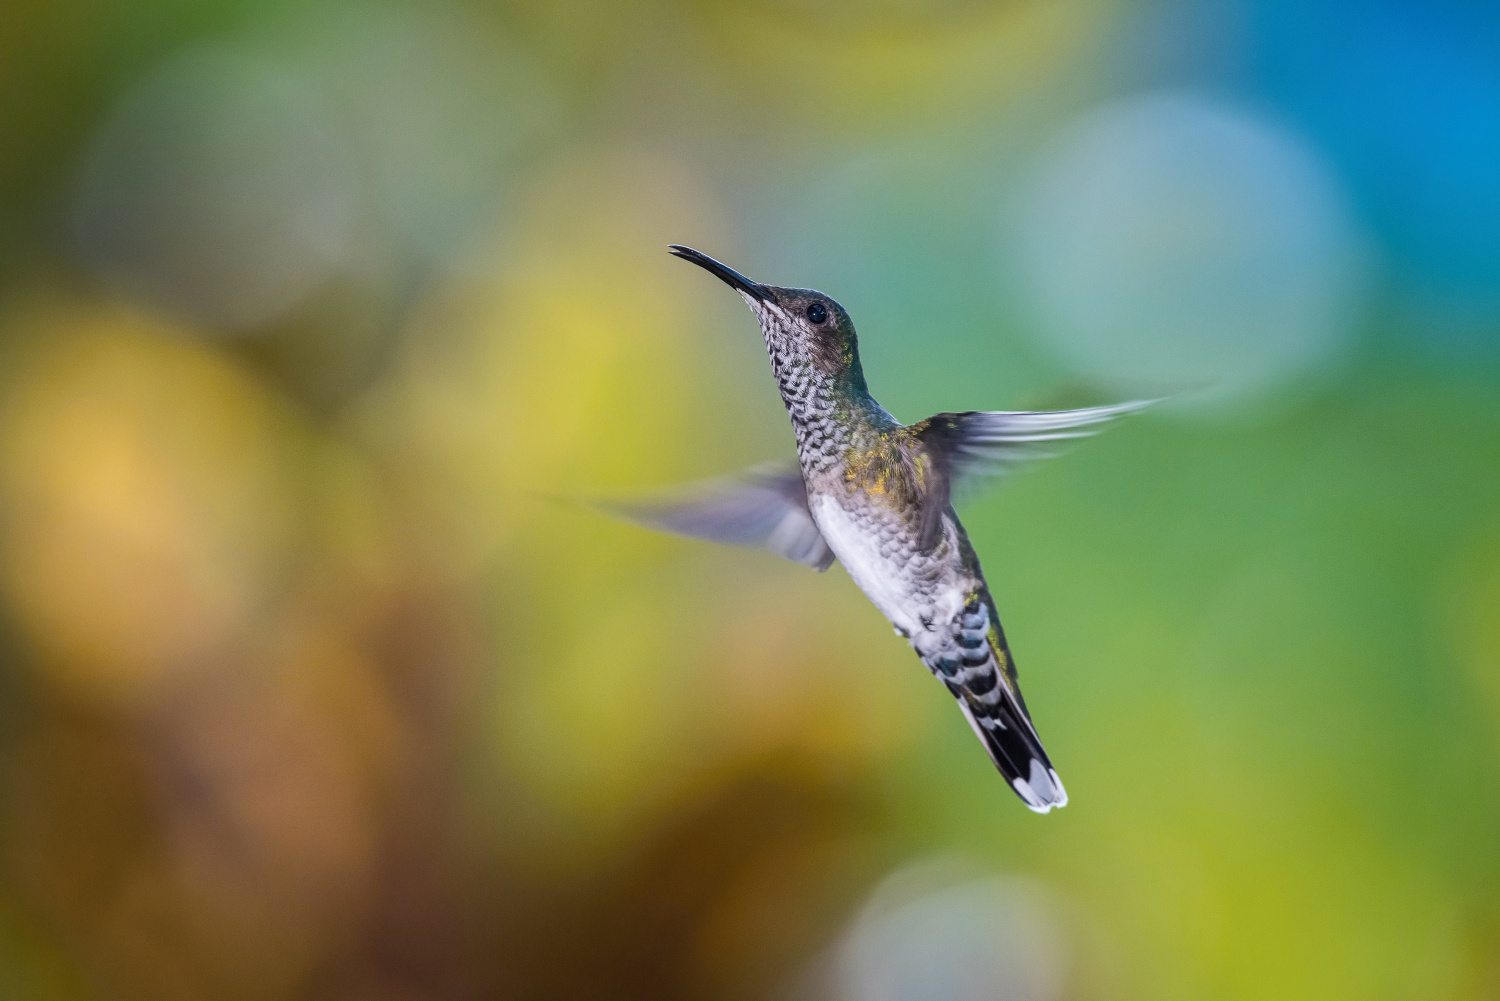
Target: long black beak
pixel 730 277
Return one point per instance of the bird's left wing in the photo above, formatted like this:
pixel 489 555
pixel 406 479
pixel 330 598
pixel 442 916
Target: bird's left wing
pixel 976 444
pixel 765 507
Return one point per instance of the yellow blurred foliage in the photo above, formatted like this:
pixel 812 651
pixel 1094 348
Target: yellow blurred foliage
pixel 143 478
pixel 871 64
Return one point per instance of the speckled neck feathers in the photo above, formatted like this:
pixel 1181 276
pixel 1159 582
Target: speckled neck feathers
pixel 825 397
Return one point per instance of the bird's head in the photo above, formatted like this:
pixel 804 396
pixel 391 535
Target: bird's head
pixel 804 329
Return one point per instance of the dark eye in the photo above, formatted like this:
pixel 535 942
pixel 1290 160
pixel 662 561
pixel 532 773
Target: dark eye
pixel 817 313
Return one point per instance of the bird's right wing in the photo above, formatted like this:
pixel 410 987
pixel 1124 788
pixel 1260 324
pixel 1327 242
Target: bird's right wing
pixel 766 507
pixel 976 445
pixel 995 442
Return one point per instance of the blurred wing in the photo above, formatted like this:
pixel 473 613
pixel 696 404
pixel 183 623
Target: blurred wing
pixel 971 446
pixel 767 507
pixel 994 442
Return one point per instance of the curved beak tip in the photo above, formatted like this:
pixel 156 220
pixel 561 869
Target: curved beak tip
pixel 726 274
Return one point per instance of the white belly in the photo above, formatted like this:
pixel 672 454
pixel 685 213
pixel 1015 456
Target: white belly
pixel 886 578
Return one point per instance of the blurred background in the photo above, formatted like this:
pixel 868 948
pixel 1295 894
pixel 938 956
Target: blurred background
pixel 312 687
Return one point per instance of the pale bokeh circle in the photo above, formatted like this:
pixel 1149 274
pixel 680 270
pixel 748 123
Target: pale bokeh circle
pixel 1173 243
pixel 926 936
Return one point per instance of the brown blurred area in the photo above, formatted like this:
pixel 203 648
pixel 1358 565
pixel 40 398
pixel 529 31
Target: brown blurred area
pixel 234 714
pixel 243 703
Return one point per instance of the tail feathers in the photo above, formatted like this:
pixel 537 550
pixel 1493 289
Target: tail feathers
pixel 979 673
pixel 1015 749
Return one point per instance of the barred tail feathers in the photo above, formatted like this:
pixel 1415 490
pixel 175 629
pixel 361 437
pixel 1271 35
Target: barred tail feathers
pixel 1013 746
pixel 991 701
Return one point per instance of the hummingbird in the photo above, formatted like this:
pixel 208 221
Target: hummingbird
pixel 876 495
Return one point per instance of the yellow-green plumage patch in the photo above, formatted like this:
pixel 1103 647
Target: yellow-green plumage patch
pixel 891 466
